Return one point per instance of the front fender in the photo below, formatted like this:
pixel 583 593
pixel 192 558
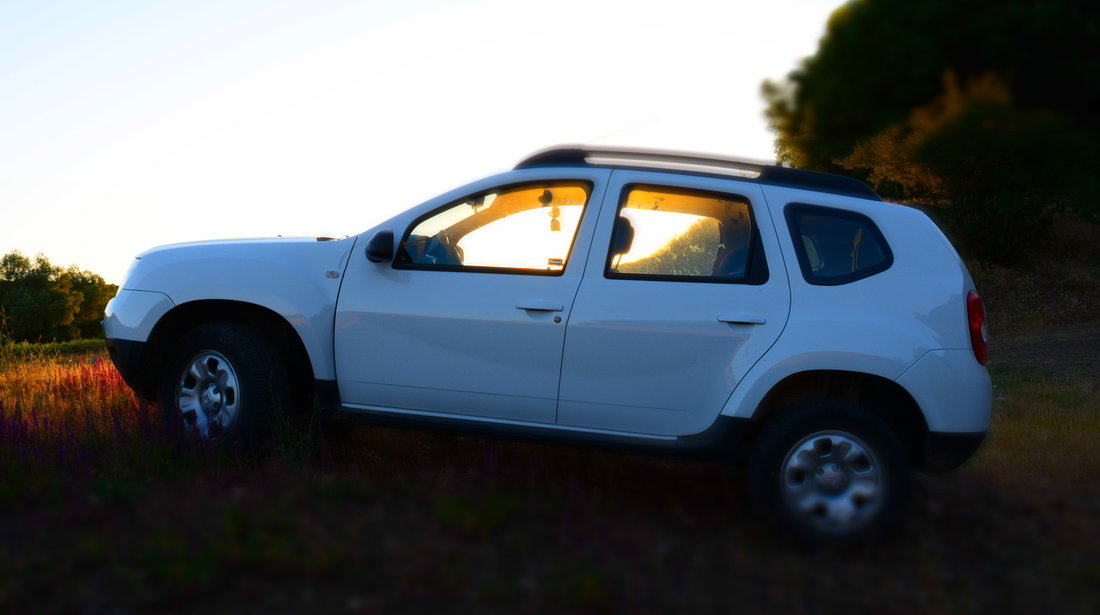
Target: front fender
pixel 299 281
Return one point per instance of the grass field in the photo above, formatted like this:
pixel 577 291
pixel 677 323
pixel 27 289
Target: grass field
pixel 101 512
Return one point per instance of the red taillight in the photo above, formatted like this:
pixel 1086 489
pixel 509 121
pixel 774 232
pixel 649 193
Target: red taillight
pixel 979 330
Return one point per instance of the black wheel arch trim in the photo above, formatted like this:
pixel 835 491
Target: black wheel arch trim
pixel 129 359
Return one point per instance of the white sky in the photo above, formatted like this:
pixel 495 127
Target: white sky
pixel 128 124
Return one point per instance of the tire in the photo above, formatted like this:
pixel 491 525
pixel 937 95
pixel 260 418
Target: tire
pixel 224 384
pixel 830 474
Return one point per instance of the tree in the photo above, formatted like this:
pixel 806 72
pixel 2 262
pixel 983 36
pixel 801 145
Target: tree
pixel 94 293
pixel 983 109
pixel 42 302
pixel 690 253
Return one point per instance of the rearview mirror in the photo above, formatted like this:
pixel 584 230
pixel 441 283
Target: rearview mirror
pixel 380 247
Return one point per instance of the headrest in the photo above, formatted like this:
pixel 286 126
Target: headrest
pixel 623 237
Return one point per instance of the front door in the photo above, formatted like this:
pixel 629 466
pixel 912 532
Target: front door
pixel 470 317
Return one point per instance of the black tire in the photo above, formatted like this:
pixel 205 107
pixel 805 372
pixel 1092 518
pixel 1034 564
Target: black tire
pixel 830 474
pixel 224 384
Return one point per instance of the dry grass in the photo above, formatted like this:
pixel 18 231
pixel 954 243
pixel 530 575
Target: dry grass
pixel 102 513
pixel 60 387
pixel 1045 429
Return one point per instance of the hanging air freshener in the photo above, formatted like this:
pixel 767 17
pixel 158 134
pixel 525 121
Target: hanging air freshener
pixel 546 198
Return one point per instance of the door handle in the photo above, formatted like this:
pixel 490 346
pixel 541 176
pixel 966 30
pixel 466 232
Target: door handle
pixel 742 318
pixel 540 305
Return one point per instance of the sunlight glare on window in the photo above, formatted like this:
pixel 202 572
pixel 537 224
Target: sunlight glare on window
pixel 524 240
pixel 654 230
pixel 529 227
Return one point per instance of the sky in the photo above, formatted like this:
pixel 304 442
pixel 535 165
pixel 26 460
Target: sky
pixel 130 124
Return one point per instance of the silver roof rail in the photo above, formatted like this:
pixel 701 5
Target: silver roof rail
pixel 760 171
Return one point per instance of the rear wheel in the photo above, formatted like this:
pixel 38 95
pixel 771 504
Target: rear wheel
pixel 224 383
pixel 830 473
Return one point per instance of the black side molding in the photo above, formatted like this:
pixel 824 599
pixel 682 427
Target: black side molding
pixel 719 441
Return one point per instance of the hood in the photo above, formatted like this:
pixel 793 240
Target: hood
pixel 226 259
pixel 214 244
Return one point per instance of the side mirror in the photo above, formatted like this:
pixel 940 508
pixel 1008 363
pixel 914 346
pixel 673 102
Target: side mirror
pixel 380 247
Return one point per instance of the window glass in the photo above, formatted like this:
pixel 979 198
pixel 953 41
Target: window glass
pixel 836 246
pixel 672 233
pixel 529 228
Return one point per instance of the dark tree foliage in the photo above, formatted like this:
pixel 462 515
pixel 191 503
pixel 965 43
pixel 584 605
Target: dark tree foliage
pixel 40 302
pixel 1002 171
pixel 986 109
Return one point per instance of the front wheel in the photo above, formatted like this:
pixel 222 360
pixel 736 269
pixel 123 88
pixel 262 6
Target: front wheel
pixel 831 473
pixel 224 383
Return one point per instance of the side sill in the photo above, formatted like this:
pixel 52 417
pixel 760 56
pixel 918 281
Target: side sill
pixel 716 442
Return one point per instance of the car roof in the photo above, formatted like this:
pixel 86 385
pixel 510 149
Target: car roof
pixel 691 162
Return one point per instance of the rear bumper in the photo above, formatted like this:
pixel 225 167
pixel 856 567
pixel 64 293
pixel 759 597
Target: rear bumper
pixel 946 451
pixel 953 391
pixel 128 357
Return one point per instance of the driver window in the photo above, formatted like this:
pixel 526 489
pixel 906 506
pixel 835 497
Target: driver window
pixel 518 229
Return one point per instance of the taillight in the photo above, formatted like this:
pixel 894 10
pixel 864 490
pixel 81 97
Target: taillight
pixel 979 330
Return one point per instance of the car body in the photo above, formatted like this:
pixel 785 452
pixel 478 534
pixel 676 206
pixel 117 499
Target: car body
pixel 662 301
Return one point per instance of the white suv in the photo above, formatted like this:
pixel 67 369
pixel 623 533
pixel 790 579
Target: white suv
pixel 661 301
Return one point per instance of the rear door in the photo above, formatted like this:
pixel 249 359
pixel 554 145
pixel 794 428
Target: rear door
pixel 684 290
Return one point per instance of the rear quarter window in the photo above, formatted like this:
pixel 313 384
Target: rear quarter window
pixel 835 246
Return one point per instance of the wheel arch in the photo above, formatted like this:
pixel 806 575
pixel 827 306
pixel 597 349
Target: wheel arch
pixel 186 316
pixel 884 398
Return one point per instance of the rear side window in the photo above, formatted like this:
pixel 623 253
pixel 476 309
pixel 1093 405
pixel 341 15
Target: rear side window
pixel 836 246
pixel 683 235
